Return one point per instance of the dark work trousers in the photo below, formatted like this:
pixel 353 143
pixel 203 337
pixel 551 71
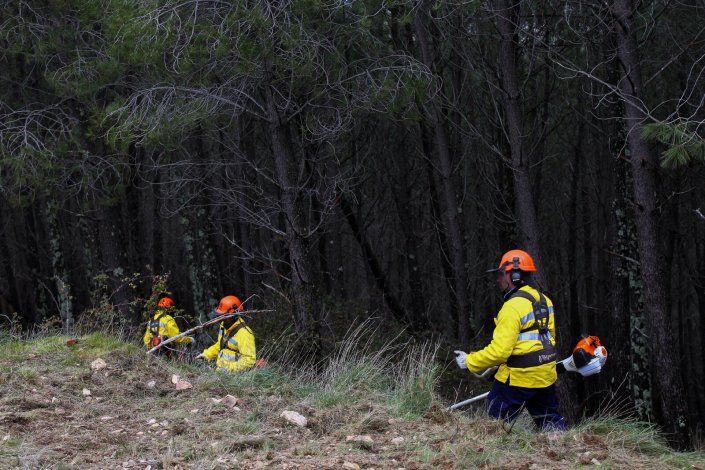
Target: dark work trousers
pixel 505 402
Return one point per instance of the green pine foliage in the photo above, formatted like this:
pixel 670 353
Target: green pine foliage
pixel 682 140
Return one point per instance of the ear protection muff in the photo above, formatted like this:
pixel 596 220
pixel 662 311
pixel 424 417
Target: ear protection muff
pixel 516 274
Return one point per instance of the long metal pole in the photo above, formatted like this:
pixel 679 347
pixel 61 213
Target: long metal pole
pixel 469 400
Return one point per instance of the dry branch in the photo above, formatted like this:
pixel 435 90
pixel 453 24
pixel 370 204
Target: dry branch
pixel 203 325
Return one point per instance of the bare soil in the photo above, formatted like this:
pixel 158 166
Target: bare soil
pixel 57 412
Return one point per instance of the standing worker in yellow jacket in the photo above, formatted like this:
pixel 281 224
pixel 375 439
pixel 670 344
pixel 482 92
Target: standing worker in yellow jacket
pixel 523 346
pixel 163 325
pixel 235 349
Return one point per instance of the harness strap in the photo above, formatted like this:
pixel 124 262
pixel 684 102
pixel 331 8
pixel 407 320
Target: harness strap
pixel 225 340
pixel 532 359
pixel 155 329
pixel 541 314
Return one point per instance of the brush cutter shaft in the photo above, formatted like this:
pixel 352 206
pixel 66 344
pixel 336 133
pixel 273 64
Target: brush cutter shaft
pixel 470 400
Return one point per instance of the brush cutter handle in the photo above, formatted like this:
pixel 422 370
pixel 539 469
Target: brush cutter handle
pixel 487 373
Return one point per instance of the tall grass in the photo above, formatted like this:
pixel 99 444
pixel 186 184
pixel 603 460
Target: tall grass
pixel 401 375
pixel 415 380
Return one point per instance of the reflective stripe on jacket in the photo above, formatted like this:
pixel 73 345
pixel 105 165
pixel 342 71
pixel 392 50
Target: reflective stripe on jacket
pixel 164 325
pixel 516 314
pixel 238 354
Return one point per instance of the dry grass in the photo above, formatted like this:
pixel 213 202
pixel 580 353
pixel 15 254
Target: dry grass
pixel 47 422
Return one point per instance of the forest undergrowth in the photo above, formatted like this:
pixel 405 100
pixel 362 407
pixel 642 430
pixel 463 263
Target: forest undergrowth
pixel 103 403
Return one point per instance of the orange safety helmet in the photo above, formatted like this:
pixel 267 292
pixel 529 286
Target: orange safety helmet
pixel 515 259
pixel 229 304
pixel 165 302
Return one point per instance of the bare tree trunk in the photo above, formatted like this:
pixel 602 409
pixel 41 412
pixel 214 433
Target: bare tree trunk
pixel 112 259
pixel 302 282
pixel 453 209
pixel 669 399
pixel 413 324
pixel 506 16
pixel 60 277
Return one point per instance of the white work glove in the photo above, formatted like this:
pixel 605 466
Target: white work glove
pixel 569 364
pixel 591 368
pixel 460 358
pixel 200 357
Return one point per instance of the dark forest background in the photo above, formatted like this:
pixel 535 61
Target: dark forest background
pixel 340 160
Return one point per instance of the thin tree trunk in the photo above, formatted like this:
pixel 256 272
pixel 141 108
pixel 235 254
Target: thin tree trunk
pixel 669 394
pixel 393 303
pixel 112 259
pixel 303 284
pixel 506 15
pixel 453 209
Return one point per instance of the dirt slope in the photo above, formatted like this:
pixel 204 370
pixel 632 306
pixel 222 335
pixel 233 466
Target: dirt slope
pixel 57 411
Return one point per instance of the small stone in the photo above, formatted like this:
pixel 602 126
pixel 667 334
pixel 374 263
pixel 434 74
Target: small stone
pixel 397 440
pixel 595 462
pixel 151 384
pixel 174 379
pixel 86 392
pixel 54 400
pixel 106 418
pixel 363 441
pixel 152 421
pixel 59 411
pixel 183 385
pixel 294 418
pixel 229 401
pixel 351 466
pixel 98 364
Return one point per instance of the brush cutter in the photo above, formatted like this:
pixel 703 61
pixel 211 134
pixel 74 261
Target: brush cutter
pixel 588 358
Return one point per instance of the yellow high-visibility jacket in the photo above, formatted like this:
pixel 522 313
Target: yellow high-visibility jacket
pixel 164 325
pixel 515 315
pixel 233 352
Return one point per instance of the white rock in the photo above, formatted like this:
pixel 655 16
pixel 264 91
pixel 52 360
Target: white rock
pixel 229 401
pixel 397 440
pixel 174 379
pixel 351 466
pixel 294 418
pixel 98 364
pixel 362 440
pixel 86 392
pixel 151 384
pixel 183 385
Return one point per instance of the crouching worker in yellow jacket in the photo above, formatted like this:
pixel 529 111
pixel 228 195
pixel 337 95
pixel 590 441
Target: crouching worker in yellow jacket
pixel 163 326
pixel 235 349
